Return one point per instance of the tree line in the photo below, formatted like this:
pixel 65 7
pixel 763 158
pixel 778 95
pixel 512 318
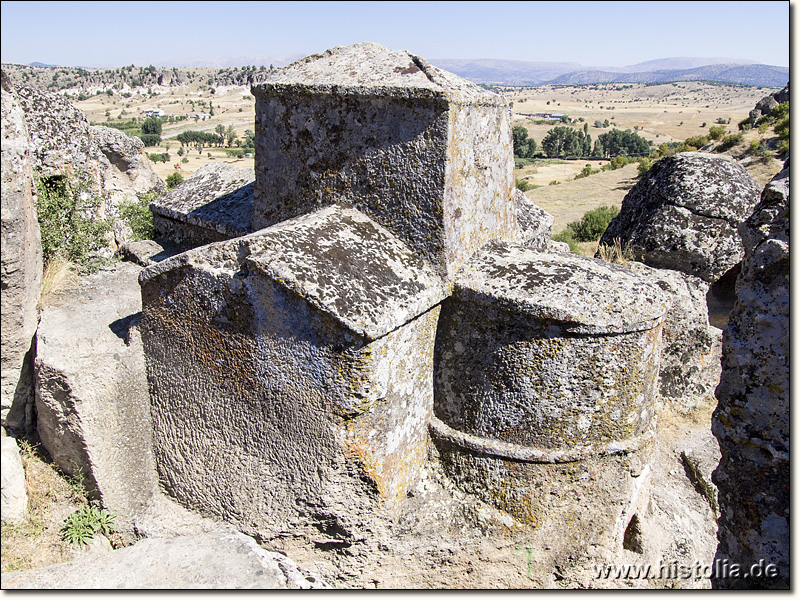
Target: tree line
pixel 569 142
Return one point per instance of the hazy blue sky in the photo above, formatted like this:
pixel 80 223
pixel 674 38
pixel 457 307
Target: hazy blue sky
pixel 107 34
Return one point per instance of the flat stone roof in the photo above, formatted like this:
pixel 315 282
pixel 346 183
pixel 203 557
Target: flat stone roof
pixel 370 69
pixel 585 295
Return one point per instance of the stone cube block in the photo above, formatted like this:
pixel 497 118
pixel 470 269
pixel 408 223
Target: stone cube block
pixel 424 153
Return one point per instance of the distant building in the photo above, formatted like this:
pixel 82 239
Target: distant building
pixel 199 116
pixel 153 112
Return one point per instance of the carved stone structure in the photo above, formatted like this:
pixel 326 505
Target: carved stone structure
pixel 292 369
pixel 546 383
pixel 424 153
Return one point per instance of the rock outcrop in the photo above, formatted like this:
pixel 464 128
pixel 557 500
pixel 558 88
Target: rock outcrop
pixel 767 104
pixel 684 213
pixel 751 421
pixel 98 427
pixel 111 163
pixel 222 560
pixel 690 351
pixel 14 501
pixel 21 264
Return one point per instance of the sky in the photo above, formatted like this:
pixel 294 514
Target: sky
pixel 112 34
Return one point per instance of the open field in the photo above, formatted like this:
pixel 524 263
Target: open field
pixel 662 113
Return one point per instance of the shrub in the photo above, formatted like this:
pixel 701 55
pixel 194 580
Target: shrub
pixel 174 179
pixel 717 132
pixel 67 213
pixel 697 141
pixel 523 185
pixel 566 236
pixel 593 224
pixel 645 165
pixel 136 214
pixel 729 141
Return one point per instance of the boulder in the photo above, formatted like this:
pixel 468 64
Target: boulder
pixel 21 265
pixel 92 397
pixel 112 164
pixel 126 170
pixel 690 351
pixel 13 492
pixel 751 421
pixel 219 560
pixel 767 104
pixel 684 213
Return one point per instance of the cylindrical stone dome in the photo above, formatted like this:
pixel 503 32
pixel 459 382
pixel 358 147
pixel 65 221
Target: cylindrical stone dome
pixel 544 359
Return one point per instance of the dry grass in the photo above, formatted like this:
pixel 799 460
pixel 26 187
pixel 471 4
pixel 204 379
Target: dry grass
pixel 60 276
pixel 51 498
pixel 616 253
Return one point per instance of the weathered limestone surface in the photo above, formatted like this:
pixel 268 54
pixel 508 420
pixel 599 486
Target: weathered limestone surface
pixel 424 153
pixel 91 391
pixel 214 204
pixel 291 371
pixel 21 265
pixel 63 143
pixel 751 421
pixel 14 501
pixel 691 348
pixel 683 215
pixel 126 171
pixel 546 384
pixel 535 224
pixel 216 560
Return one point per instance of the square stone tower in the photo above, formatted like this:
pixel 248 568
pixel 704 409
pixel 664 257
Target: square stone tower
pixel 424 153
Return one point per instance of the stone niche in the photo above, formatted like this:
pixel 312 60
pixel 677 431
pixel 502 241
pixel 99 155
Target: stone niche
pixel 546 386
pixel 424 153
pixel 291 371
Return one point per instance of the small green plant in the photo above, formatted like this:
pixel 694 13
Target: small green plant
pixel 645 164
pixel 136 215
pixel 81 526
pixel 729 141
pixel 174 179
pixel 567 236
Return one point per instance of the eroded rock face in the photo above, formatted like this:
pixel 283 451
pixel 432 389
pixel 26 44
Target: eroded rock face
pixel 751 421
pixel 91 391
pixel 126 170
pixel 535 224
pixel 690 351
pixel 424 153
pixel 21 264
pixel 684 213
pixel 112 163
pixel 14 501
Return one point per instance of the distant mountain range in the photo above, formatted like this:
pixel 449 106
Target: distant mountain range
pixel 520 73
pixel 515 73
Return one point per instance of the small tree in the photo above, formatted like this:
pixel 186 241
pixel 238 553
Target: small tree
pixel 230 133
pixel 173 180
